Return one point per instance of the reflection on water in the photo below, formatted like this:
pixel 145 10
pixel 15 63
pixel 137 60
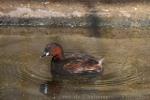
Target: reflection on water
pixel 25 76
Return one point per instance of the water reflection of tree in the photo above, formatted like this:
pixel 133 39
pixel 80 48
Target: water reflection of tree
pixel 93 20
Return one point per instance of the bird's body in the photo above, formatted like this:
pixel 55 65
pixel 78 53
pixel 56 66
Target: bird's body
pixel 74 64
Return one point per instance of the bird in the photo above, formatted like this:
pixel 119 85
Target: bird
pixel 72 65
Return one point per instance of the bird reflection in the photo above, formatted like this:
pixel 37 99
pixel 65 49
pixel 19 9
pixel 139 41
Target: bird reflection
pixel 55 90
pixel 51 88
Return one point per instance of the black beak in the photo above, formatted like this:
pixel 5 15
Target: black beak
pixel 45 54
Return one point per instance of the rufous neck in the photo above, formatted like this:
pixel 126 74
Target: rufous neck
pixel 58 57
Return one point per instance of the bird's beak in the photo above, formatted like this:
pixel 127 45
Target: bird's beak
pixel 45 54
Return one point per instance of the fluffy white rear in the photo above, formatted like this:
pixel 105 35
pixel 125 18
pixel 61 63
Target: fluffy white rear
pixel 100 62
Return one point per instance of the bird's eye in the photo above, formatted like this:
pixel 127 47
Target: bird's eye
pixel 46 50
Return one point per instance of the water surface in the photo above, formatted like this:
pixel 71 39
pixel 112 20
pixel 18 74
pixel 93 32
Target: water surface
pixel 23 72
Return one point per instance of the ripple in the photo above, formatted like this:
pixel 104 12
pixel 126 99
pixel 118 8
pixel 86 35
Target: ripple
pixel 119 76
pixel 39 70
pixel 32 68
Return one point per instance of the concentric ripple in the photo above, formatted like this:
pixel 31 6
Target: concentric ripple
pixel 39 70
pixel 35 72
pixel 119 77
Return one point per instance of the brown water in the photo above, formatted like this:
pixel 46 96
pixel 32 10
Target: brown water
pixel 22 71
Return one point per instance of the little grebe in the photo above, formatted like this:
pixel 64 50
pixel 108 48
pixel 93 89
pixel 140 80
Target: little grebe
pixel 73 64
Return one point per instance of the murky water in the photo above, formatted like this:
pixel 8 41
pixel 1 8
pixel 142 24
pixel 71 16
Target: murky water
pixel 25 76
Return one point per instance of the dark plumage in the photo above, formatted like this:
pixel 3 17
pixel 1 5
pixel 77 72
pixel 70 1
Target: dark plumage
pixel 73 64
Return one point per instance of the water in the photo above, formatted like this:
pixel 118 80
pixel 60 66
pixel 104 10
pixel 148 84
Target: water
pixel 25 76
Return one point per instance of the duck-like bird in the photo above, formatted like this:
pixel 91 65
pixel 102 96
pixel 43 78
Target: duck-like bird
pixel 75 64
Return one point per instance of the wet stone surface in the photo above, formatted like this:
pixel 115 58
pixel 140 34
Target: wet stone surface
pixel 25 76
pixel 75 13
